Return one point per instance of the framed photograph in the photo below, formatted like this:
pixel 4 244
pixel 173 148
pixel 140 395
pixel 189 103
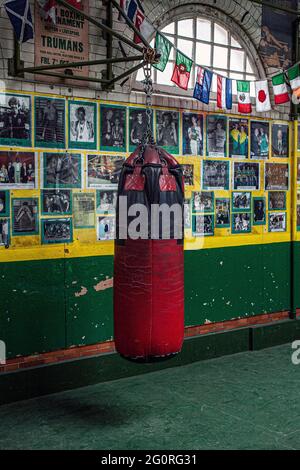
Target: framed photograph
pixel 241 223
pixel 277 222
pixel 192 134
pixel 215 175
pixel 241 202
pixel 61 171
pixel 187 214
pixel 216 136
pixel 18 170
pixel 188 175
pixel 84 210
pixel 203 225
pixel 4 232
pixel 113 125
pixel 4 203
pixel 238 138
pixel 277 200
pixel 280 140
pixel 138 122
pixel 15 120
pixel 222 212
pixel 276 176
pixel 82 125
pixel 106 201
pixel 25 216
pixel 259 211
pixel 298 170
pixel 203 202
pixel 56 202
pixel 103 171
pixel 298 212
pixel 260 140
pixel 167 130
pixel 246 176
pixel 106 227
pixel 57 231
pixel 50 122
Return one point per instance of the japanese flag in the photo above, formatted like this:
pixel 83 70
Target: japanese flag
pixel 263 103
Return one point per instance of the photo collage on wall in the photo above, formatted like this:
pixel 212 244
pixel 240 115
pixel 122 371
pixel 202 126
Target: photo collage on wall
pixel 60 161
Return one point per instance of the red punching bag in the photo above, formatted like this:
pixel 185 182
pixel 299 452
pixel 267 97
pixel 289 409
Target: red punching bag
pixel 149 270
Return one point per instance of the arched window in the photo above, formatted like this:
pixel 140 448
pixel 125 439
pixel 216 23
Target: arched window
pixel 208 44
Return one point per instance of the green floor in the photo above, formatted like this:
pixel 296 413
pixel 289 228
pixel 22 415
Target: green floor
pixel 247 401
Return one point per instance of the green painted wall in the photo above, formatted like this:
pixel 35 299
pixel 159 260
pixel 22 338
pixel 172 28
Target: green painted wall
pixel 41 309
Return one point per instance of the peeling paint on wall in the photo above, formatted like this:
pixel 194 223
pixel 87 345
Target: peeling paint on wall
pixel 104 285
pixel 82 293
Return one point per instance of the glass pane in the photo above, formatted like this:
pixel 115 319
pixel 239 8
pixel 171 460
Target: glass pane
pixel 249 69
pixel 164 78
pixel 251 79
pixel 237 76
pixel 203 53
pixel 169 29
pixel 186 28
pixel 140 75
pixel 220 57
pixel 234 43
pixel 221 35
pixel 203 30
pixel 186 47
pixel 237 60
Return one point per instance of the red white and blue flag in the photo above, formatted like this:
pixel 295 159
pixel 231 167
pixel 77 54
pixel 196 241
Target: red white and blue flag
pixel 203 85
pixel 224 92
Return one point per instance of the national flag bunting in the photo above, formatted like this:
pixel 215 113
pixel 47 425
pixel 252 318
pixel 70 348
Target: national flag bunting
pixel 130 8
pixel 224 92
pixel 203 85
pixel 163 47
pixel 20 17
pixel 281 94
pixel 244 100
pixel 262 95
pixel 182 71
pixel 144 26
pixel 48 9
pixel 294 77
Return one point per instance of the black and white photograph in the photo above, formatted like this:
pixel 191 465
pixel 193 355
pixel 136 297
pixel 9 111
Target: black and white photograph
pixel 241 202
pixel 25 216
pixel 277 222
pixel 222 212
pixel 167 130
pixel 260 139
pixel 280 140
pixel 4 203
pixel 50 126
pixel 241 222
pixel 203 201
pixel 187 214
pixel 106 227
pixel 276 176
pixel 215 175
pixel 83 125
pixel 238 138
pixel 113 128
pixel 106 201
pixel 188 175
pixel 4 232
pixel 56 202
pixel 18 170
pixel 203 225
pixel 103 171
pixel 246 176
pixel 61 171
pixel 277 200
pixel 15 120
pixel 84 210
pixel 259 211
pixel 192 134
pixel 216 132
pixel 138 124
pixel 57 231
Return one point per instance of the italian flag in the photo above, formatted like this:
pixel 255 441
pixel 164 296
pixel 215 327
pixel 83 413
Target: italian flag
pixel 281 94
pixel 294 77
pixel 182 71
pixel 244 100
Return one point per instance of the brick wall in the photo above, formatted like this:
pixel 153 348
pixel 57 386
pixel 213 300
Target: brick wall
pixel 242 17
